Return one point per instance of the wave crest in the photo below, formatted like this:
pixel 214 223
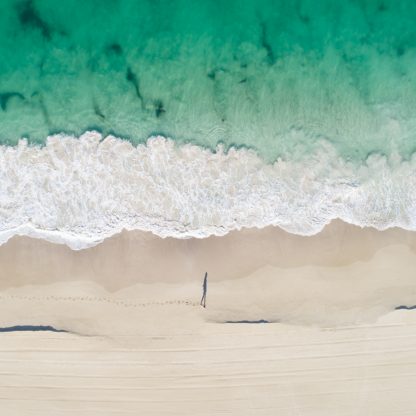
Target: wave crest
pixel 79 191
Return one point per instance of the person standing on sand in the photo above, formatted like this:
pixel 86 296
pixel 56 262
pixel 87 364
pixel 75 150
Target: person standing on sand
pixel 204 290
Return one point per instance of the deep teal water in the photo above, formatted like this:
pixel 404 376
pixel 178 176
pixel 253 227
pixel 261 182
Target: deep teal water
pixel 277 76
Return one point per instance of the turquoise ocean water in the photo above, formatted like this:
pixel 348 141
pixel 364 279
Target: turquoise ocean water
pixel 312 104
pixel 273 75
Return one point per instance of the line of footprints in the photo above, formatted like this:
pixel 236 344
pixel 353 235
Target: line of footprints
pixel 126 304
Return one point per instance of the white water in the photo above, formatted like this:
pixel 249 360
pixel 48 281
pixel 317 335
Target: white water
pixel 80 191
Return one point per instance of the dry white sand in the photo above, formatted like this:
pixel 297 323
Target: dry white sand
pixel 211 369
pixel 139 343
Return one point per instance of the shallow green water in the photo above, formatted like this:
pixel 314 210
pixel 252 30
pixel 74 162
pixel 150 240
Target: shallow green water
pixel 277 76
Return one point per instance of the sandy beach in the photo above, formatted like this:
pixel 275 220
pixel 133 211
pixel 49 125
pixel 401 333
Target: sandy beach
pixel 137 341
pixel 343 275
pixel 210 369
pixel 207 208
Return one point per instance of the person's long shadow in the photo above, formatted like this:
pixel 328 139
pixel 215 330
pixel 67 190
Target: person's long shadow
pixel 204 291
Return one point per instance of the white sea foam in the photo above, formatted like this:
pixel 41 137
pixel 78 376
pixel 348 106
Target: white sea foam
pixel 80 191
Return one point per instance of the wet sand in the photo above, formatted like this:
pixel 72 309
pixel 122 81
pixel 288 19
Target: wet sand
pixel 135 257
pixel 341 276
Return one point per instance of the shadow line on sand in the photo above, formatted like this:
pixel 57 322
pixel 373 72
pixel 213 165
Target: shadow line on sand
pixel 260 321
pixel 404 307
pixel 30 328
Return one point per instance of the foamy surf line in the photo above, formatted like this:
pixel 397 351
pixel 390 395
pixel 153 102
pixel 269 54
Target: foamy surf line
pixel 79 191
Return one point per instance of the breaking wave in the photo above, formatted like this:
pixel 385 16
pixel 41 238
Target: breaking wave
pixel 79 191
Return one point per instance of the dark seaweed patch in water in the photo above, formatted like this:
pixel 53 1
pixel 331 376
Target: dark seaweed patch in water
pixel 6 96
pixel 98 111
pixel 304 18
pixel 29 17
pixel 211 75
pixel 266 45
pixel 382 7
pixel 132 78
pixel 400 50
pixel 214 72
pixel 115 48
pixel 159 109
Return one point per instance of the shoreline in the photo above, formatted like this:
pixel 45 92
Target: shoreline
pixel 343 275
pixel 338 244
pixel 90 187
